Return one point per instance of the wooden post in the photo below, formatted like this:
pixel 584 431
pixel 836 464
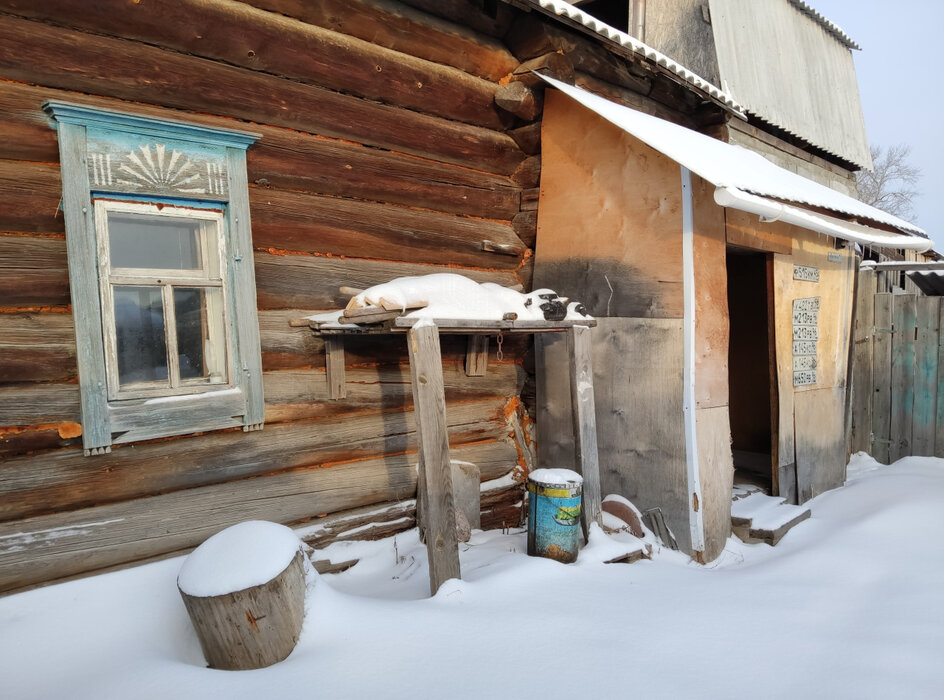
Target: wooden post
pixel 861 369
pixel 585 423
pixel 429 405
pixel 882 377
pixel 925 376
pixel 903 367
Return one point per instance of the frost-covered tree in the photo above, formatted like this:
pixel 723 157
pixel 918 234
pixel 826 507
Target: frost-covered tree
pixel 890 186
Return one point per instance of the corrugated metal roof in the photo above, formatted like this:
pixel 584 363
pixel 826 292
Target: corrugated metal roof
pixel 931 282
pixel 829 26
pixel 565 9
pixel 728 166
pixel 781 64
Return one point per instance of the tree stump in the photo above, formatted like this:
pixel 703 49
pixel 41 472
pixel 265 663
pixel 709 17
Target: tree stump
pixel 255 626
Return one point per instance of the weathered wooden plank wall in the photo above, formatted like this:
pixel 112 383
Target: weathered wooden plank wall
pixel 897 397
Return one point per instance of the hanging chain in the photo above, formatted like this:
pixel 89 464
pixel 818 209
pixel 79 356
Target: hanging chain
pixel 500 354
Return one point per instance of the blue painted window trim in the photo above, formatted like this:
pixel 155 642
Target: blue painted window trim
pixel 112 120
pixel 74 122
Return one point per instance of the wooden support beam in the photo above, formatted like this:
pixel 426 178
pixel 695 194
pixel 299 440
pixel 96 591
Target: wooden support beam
pixel 585 424
pixel 334 364
pixel 435 476
pixel 476 357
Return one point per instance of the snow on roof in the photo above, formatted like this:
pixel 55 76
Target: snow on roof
pixel 565 9
pixel 726 165
pixel 447 295
pixel 829 26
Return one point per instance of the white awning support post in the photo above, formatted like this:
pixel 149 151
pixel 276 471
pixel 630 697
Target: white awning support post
pixel 693 478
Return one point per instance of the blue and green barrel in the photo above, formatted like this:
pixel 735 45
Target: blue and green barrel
pixel 554 514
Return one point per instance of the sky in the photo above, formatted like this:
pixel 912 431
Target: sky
pixel 899 77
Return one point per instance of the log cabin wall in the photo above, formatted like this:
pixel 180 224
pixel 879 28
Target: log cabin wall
pixel 376 160
pixel 383 153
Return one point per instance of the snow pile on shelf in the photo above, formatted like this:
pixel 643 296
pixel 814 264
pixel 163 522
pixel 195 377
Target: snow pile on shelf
pixel 451 296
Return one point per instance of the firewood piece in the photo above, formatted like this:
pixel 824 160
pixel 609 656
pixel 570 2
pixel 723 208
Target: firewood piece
pixel 520 100
pixel 299 323
pixel 350 291
pixel 254 627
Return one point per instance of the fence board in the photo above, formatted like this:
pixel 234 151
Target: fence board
pixel 862 363
pixel 902 387
pixel 939 418
pixel 881 375
pixel 928 310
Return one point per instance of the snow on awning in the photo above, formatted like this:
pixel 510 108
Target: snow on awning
pixel 747 181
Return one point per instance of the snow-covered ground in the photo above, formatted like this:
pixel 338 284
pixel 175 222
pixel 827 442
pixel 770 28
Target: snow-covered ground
pixel 849 605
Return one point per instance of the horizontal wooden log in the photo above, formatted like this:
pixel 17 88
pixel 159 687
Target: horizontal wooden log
pixel 525 224
pixel 241 35
pixel 372 522
pixel 39 53
pixel 528 174
pixel 297 161
pixel 517 98
pixel 328 225
pixel 37 347
pixel 67 480
pixel 30 404
pixel 632 99
pixel 528 138
pixel 285 159
pixel 50 547
pixel 503 507
pixel 29 198
pixel 18 441
pixel 494 21
pixel 532 36
pixel 553 64
pixel 297 394
pixel 299 222
pixel 296 281
pixel 404 29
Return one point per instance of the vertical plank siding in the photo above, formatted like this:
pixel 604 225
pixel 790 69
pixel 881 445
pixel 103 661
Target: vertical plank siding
pixel 897 399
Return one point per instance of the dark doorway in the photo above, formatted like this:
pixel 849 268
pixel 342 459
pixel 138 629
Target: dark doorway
pixel 751 369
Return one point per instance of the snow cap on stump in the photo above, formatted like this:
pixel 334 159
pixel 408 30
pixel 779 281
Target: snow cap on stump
pixel 244 589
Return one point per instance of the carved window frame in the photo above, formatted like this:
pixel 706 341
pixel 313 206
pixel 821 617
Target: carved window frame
pixel 106 155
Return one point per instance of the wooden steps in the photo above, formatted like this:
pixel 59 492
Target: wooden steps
pixel 757 517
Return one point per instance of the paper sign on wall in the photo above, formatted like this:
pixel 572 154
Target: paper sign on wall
pixel 805 337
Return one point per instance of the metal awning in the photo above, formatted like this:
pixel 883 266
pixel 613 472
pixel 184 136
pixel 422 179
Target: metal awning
pixel 747 181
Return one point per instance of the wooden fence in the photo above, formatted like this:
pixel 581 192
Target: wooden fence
pixel 897 401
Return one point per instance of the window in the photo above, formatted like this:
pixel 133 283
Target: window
pixel 157 219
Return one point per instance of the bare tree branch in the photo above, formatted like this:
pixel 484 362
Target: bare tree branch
pixel 890 186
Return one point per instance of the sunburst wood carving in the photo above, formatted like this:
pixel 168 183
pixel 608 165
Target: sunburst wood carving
pixel 155 168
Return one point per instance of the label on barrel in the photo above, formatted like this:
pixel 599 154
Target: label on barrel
pixel 553 522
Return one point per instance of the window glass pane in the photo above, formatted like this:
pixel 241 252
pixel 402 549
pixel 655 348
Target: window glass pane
pixel 154 242
pixel 139 329
pixel 200 333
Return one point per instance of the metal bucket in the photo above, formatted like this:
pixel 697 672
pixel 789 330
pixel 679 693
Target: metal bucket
pixel 554 514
